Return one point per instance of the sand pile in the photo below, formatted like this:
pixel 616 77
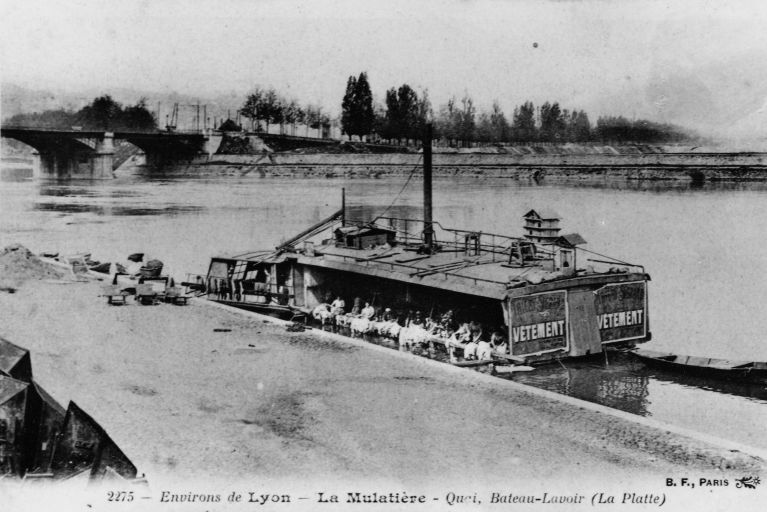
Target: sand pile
pixel 18 264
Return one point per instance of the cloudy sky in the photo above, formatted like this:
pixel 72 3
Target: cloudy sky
pixel 698 63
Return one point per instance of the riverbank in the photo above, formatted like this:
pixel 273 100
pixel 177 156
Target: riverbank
pixel 685 167
pixel 202 394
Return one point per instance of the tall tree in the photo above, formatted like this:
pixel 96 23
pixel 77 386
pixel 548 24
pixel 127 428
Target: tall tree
pixel 406 113
pixel 492 126
pixel 138 117
pixel 552 123
pixel 467 123
pixel 271 108
pixel 357 114
pixel 252 106
pixel 292 114
pixel 101 114
pixel 523 124
pixel 581 127
pixel 364 102
pixel 447 122
pixel 348 107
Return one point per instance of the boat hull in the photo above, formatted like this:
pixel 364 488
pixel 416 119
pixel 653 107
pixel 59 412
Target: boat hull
pixel 734 371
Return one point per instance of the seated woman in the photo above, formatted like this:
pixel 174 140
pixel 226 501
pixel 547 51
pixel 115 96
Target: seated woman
pixel 417 321
pixel 368 311
pixel 461 335
pixel 337 306
pixel 357 307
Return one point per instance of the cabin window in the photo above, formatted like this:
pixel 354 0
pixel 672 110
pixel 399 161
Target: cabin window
pixel 219 269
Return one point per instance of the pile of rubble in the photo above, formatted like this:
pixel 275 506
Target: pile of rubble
pixel 18 264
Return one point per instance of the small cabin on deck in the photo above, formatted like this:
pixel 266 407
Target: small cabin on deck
pixel 565 252
pixel 364 237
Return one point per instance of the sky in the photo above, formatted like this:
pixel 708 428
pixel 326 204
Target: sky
pixel 701 64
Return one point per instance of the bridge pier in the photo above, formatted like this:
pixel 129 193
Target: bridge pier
pixel 102 158
pixel 75 160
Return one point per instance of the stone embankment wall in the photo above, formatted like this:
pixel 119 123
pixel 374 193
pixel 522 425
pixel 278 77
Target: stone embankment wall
pixel 655 166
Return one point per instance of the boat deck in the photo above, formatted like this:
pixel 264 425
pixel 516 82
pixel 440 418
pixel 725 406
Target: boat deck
pixel 489 274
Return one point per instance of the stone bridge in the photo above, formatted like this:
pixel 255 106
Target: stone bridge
pixel 90 154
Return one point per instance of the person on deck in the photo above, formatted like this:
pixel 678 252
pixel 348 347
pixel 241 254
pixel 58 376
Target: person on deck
pixel 337 306
pixel 418 320
pixel 484 350
pixel 470 350
pixel 368 311
pixel 356 308
pixel 498 342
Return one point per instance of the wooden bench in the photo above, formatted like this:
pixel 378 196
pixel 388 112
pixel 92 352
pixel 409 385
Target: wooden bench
pixel 115 294
pixel 175 295
pixel 147 295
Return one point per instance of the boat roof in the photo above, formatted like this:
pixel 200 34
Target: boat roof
pixel 543 214
pixel 486 275
pixel 10 387
pixel 571 239
pixel 362 230
pixel 10 355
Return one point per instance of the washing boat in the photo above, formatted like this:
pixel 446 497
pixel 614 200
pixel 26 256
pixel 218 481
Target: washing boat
pixel 543 291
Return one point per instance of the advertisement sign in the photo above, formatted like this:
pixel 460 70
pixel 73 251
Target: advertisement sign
pixel 621 311
pixel 538 323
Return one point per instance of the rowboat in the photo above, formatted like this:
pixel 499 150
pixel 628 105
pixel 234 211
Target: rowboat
pixel 744 371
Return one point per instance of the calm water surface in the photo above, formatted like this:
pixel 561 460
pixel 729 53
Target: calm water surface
pixel 704 248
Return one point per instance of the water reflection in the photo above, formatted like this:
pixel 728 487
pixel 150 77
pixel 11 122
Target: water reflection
pixel 623 383
pixel 368 212
pixel 117 211
pixel 15 174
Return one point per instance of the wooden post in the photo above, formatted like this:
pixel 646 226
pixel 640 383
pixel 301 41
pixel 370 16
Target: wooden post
pixel 343 207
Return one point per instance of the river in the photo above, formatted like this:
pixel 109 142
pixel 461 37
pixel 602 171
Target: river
pixel 704 247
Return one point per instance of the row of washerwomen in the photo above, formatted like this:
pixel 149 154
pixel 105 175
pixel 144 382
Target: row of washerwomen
pixel 413 330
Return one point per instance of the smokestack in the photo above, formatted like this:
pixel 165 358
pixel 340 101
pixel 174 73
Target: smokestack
pixel 428 227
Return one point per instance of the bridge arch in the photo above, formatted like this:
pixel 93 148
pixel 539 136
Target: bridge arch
pixel 91 154
pixel 68 154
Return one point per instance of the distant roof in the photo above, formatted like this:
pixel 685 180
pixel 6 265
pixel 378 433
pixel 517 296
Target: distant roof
pixel 572 239
pixel 543 214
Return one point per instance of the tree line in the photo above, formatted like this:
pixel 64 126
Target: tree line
pixel 267 107
pixel 405 113
pixel 103 113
